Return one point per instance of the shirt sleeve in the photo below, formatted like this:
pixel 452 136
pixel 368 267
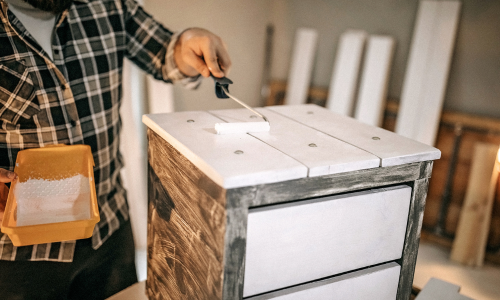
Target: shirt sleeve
pixel 151 46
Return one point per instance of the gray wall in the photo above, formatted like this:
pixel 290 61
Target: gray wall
pixel 474 83
pixel 241 24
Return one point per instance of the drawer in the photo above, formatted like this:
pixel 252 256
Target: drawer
pixel 376 283
pixel 303 241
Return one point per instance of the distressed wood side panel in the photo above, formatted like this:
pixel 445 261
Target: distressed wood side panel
pixel 410 249
pixel 235 249
pixel 186 227
pixel 327 185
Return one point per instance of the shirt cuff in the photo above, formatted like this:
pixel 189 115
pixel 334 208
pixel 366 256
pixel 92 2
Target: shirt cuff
pixel 172 72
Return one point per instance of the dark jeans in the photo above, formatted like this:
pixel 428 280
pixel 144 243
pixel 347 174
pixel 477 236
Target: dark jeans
pixel 93 274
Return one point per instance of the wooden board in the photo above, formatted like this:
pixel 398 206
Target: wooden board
pixel 301 66
pixel 360 285
pixel 412 238
pixel 298 242
pixel 229 160
pixel 392 149
pixel 136 291
pixel 321 153
pixel 374 80
pixel 186 227
pixel 426 76
pixel 470 239
pixel 345 75
pixel 160 96
pixel 442 290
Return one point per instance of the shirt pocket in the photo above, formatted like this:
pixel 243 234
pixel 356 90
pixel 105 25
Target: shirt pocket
pixel 17 92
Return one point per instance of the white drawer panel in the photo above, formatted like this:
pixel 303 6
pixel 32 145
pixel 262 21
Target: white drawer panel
pixel 376 283
pixel 298 242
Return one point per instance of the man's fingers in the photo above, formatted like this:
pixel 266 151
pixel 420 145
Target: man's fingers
pixel 7 176
pixel 210 56
pixel 224 61
pixel 196 62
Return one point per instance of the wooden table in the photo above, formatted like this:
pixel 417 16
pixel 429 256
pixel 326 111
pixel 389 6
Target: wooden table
pixel 320 207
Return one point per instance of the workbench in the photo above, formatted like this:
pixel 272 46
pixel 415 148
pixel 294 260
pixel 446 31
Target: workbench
pixel 320 207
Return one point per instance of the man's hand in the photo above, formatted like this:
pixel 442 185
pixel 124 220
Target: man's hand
pixel 5 176
pixel 198 51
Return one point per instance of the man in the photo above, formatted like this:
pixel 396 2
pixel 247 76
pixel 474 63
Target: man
pixel 60 83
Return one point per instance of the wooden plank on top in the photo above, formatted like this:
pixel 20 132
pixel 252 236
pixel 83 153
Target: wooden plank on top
pixel 321 153
pixel 392 149
pixel 232 160
pixel 426 76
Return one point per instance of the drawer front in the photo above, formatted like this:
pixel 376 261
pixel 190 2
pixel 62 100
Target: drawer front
pixel 376 283
pixel 298 242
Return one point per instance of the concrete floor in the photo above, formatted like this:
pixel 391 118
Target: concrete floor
pixel 478 283
pixel 482 283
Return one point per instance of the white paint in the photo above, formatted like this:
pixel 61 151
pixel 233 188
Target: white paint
pixel 345 72
pixel 392 149
pixel 299 77
pixel 133 148
pixel 440 289
pixel 297 242
pixel 160 96
pixel 426 76
pixel 321 153
pixel 231 160
pixel 41 201
pixel 380 282
pixel 374 80
pixel 241 127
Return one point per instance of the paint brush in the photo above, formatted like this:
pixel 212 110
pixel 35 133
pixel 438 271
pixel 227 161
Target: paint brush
pixel 222 92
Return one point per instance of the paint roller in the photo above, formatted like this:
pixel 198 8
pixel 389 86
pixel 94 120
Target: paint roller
pixel 222 92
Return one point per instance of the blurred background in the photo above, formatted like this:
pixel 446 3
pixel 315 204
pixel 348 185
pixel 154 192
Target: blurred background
pixel 261 67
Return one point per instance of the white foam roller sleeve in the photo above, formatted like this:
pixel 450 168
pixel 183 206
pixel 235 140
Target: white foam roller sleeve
pixel 241 127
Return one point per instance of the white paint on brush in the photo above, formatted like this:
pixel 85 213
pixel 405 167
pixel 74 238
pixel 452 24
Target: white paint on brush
pixel 41 201
pixel 241 127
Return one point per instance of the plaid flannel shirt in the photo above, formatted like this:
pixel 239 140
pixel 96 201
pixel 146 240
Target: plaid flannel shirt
pixel 75 99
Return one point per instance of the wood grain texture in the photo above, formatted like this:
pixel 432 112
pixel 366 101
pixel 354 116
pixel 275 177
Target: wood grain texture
pixel 185 229
pixel 326 185
pixel 472 232
pixel 412 238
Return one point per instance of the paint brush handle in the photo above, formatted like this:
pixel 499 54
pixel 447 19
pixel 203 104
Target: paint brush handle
pixel 244 104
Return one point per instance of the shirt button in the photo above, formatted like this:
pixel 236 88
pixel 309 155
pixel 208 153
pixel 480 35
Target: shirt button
pixel 56 51
pixel 63 87
pixel 73 123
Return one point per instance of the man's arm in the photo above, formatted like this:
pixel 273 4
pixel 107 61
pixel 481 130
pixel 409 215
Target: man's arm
pixel 172 57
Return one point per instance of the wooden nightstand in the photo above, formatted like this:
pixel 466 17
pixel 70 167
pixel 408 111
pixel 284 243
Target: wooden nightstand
pixel 320 207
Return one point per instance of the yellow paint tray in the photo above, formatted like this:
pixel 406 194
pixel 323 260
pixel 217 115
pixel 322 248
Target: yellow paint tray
pixel 53 180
